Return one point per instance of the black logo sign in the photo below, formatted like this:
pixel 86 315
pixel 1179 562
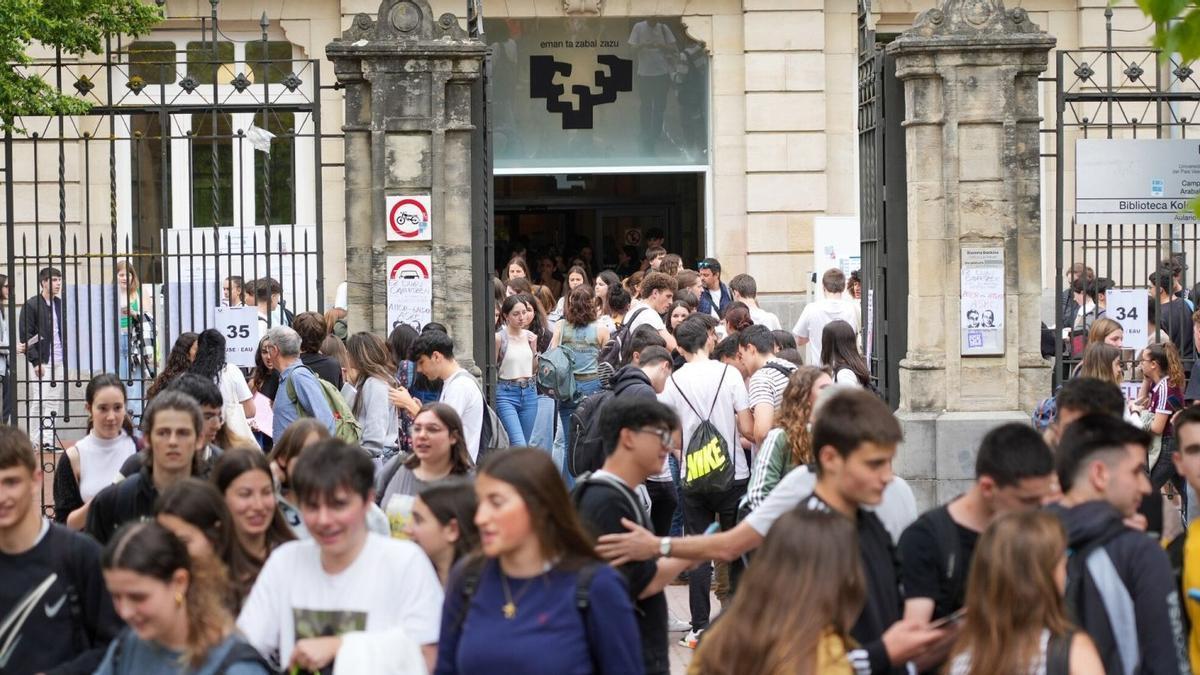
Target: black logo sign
pixel 543 69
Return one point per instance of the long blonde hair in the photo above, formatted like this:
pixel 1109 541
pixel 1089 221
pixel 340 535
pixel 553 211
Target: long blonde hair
pixel 1012 594
pixel 795 411
pixel 811 560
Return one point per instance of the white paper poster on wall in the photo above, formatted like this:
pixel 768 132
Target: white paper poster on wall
pixel 408 218
pixel 409 290
pixel 1128 307
pixel 981 315
pixel 239 325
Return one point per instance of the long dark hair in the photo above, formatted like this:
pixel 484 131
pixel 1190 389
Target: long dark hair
pixel 178 362
pixel 453 499
pixel 151 550
pixel 199 504
pixel 104 381
pixel 460 456
pixel 210 355
pixel 261 372
pixel 532 473
pixel 400 341
pixel 233 463
pixel 610 280
pixel 839 349
pixel 810 558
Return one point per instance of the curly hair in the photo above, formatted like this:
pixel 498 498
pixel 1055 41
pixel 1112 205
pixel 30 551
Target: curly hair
pixel 179 360
pixel 795 411
pixel 210 355
pixel 580 308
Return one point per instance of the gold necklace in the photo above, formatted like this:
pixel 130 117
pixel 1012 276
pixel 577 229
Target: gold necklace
pixel 510 605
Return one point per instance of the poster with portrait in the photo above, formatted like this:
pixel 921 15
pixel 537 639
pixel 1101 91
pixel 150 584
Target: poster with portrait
pixel 409 290
pixel 981 313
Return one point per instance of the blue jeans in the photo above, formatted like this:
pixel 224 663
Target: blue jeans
pixel 133 392
pixel 584 388
pixel 517 407
pixel 543 427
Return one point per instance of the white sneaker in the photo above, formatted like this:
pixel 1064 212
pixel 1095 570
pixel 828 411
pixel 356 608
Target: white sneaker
pixel 677 625
pixel 691 639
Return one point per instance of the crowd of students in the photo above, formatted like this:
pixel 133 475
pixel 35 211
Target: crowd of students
pixel 353 506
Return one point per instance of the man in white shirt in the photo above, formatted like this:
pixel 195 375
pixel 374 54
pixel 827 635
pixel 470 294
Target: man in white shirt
pixel 433 353
pixel 745 290
pixel 657 293
pixel 345 593
pixel 817 315
pixel 707 390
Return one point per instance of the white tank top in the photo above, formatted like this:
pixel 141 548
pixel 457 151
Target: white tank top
pixel 100 462
pixel 518 358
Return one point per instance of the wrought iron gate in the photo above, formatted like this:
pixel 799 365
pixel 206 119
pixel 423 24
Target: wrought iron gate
pixel 882 210
pixel 199 160
pixel 1117 92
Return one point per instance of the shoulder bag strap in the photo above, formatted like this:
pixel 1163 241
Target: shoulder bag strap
pixel 684 397
pixel 717 396
pixel 583 586
pixel 1058 654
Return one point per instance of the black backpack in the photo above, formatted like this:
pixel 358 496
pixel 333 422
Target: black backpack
pixel 588 480
pixel 707 465
pixel 586 450
pixel 611 352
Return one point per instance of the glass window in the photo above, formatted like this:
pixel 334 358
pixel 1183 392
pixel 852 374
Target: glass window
pixel 212 169
pixel 598 92
pixel 270 61
pixel 202 57
pixel 153 62
pixel 275 173
pixel 151 190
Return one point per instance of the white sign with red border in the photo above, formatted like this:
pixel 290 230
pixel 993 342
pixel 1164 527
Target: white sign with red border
pixel 409 290
pixel 408 218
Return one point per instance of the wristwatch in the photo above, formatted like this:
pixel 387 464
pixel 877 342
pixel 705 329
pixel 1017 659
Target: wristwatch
pixel 664 547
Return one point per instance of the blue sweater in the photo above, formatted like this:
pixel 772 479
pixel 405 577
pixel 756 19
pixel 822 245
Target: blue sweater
pixel 548 636
pixel 308 394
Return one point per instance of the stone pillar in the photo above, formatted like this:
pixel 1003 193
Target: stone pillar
pixel 408 79
pixel 970 72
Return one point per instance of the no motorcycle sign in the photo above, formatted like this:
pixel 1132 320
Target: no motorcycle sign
pixel 408 218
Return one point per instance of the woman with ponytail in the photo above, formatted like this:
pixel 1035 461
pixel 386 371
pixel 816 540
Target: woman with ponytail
pixel 94 462
pixel 175 607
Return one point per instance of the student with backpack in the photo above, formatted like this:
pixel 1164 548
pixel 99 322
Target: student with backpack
pixel 175 606
pixel 1016 621
pixel 283 347
pixel 1119 582
pixel 637 439
pixel 516 360
pixel 534 599
pixel 173 427
pixel 711 401
pixel 580 335
pixel 768 377
pixel 55 613
pixel 1014 471
pixel 656 292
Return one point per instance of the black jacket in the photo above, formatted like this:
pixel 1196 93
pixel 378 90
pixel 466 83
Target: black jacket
pixel 35 320
pixel 630 380
pixel 120 503
pixel 1152 621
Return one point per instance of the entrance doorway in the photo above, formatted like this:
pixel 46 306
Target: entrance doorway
pixel 602 218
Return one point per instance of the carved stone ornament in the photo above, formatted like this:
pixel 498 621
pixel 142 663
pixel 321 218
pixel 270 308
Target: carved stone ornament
pixel 403 20
pixel 970 18
pixel 583 7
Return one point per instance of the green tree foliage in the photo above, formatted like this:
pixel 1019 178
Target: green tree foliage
pixel 77 27
pixel 1173 36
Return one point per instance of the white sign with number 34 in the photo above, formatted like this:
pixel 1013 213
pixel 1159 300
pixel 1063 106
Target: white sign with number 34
pixel 1127 306
pixel 239 325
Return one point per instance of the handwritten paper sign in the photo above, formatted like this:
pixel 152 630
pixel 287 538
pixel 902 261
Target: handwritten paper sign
pixel 409 290
pixel 981 318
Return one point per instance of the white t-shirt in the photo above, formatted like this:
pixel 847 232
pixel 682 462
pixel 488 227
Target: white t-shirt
pixel 390 584
pixel 461 393
pixel 762 317
pixel 652 62
pixel 234 390
pixel 816 316
pixel 648 317
pixel 896 511
pixel 697 382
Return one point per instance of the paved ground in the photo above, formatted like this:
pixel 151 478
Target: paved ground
pixel 677 602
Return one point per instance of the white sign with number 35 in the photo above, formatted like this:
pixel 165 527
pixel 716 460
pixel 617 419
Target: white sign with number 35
pixel 239 325
pixel 1127 306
